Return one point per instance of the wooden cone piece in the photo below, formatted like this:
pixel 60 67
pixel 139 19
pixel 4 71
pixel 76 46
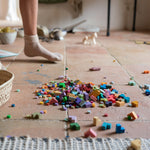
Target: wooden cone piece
pixel 136 144
pixel 133 115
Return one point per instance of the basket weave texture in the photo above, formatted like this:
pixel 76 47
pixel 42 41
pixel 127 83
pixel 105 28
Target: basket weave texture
pixel 6 79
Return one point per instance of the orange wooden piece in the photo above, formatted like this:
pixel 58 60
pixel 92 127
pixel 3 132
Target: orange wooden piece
pixel 45 111
pixel 93 105
pixel 135 103
pixel 146 71
pixel 103 83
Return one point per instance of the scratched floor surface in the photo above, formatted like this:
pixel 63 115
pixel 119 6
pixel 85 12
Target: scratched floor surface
pixel 131 60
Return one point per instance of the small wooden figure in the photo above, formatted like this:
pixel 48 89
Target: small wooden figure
pixel 89 40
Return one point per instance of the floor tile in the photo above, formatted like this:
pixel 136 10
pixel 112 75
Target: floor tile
pixel 26 104
pixel 119 58
pixel 35 128
pixel 132 130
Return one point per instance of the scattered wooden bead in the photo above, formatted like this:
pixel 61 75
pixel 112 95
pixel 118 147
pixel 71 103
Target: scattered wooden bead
pixel 18 90
pixel 8 116
pixel 131 83
pixel 89 112
pixel 146 72
pixel 105 115
pixel 13 105
pixel 112 82
pixel 95 69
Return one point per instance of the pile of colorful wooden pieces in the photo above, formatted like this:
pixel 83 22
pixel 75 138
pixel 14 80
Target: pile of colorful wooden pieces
pixel 77 94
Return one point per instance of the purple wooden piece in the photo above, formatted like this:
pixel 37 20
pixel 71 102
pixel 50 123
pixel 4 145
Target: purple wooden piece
pixel 73 119
pixel 88 104
pixel 86 96
pixel 77 100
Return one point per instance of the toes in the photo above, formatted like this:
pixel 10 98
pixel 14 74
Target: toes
pixel 59 56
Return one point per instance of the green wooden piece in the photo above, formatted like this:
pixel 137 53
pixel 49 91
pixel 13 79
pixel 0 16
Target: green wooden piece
pixel 74 126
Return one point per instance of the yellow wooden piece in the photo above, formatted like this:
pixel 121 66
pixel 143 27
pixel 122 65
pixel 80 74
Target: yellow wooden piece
pixel 77 82
pixel 57 92
pixel 135 103
pixel 139 42
pixel 71 96
pixel 136 144
pixel 97 121
pixel 120 103
pixel 148 43
pixel 102 106
pixel 44 96
pixel 44 87
pixel 95 93
pixel 41 103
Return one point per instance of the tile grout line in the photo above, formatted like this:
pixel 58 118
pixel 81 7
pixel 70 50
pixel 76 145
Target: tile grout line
pixel 54 120
pixel 65 59
pixel 65 75
pixel 122 67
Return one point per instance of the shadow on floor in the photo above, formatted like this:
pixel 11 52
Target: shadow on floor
pixel 29 61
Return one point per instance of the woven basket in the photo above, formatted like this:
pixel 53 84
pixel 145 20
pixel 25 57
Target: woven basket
pixel 6 79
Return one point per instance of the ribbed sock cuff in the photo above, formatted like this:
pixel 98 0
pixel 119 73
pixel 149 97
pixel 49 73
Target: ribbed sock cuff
pixel 31 38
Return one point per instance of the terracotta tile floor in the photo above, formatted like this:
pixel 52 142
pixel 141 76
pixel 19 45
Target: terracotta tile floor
pixel 131 60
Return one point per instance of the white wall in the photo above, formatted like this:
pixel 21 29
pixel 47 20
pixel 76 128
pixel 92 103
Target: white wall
pixel 143 14
pixel 95 12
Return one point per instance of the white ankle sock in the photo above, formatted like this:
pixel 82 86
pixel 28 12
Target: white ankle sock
pixel 33 48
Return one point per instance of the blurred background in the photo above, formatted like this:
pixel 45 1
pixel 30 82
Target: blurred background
pixel 61 14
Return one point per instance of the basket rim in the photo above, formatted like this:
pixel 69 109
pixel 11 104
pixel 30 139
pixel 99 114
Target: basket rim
pixel 12 77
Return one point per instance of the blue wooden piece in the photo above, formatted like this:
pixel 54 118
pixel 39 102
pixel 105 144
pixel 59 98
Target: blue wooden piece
pixel 127 99
pixel 147 92
pixel 119 128
pixel 103 86
pixel 106 125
